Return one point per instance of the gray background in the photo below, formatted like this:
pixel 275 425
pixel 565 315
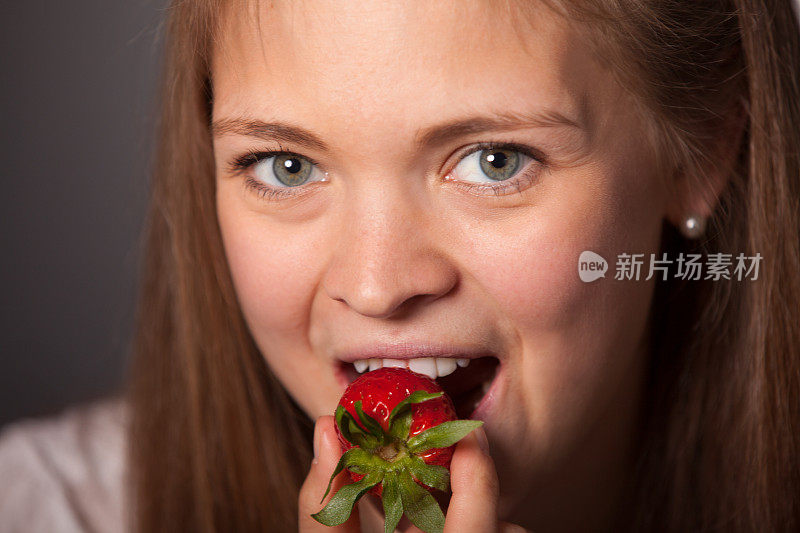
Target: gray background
pixel 77 112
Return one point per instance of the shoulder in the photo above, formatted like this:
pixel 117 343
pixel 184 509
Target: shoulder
pixel 65 473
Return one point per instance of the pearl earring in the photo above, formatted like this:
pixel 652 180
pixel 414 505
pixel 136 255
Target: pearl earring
pixel 693 226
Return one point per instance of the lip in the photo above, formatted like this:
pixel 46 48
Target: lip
pixel 485 405
pixel 412 350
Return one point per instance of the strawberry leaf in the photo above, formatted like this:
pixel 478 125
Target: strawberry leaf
pixel 434 476
pixel 372 426
pixel 418 396
pixel 401 417
pixel 353 457
pixel 365 440
pixel 342 418
pixel 352 432
pixel 398 429
pixel 419 505
pixel 392 503
pixel 340 507
pixel 441 436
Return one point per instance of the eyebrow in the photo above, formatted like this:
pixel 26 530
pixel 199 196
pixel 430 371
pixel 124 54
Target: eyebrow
pixel 267 131
pixel 441 134
pixel 427 137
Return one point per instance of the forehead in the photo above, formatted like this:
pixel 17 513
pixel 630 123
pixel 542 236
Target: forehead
pixel 394 65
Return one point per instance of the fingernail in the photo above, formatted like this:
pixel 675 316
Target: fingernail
pixel 317 438
pixel 483 442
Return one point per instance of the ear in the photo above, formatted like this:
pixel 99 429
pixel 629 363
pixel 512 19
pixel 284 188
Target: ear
pixel 696 191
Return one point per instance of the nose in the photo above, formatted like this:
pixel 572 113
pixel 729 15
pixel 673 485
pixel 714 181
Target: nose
pixel 387 260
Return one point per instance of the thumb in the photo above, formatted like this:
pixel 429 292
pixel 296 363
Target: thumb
pixel 326 455
pixel 473 480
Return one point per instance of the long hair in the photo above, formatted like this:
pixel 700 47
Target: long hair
pixel 217 444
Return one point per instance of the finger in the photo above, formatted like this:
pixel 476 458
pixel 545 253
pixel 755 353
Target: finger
pixel 473 480
pixel 326 454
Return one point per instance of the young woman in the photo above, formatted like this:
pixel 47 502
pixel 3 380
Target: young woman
pixel 348 181
pixel 522 184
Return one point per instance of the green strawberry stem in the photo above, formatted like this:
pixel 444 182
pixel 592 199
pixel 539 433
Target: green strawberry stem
pixel 390 458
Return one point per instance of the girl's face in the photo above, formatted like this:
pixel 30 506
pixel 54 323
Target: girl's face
pixel 418 179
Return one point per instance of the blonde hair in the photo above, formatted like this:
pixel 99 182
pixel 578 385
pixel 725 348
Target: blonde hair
pixel 217 444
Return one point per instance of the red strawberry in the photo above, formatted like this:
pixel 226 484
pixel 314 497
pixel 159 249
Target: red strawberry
pixel 398 431
pixel 380 392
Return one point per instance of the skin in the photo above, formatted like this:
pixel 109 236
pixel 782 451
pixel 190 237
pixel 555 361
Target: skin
pixel 394 247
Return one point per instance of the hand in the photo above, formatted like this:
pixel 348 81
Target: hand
pixel 326 454
pixel 473 480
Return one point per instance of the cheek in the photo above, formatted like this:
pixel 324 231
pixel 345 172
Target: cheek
pixel 577 341
pixel 274 266
pixel 275 270
pixel 529 263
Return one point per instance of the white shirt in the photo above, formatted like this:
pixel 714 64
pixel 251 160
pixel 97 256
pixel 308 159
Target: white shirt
pixel 65 474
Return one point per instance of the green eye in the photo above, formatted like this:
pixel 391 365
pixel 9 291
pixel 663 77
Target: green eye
pixel 292 170
pixel 497 168
pixel 499 165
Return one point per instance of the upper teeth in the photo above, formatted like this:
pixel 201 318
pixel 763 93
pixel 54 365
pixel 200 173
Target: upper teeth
pixel 433 367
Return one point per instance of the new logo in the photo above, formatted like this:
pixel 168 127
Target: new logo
pixel 591 266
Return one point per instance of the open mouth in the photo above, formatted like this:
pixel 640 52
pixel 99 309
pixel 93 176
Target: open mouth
pixel 466 381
